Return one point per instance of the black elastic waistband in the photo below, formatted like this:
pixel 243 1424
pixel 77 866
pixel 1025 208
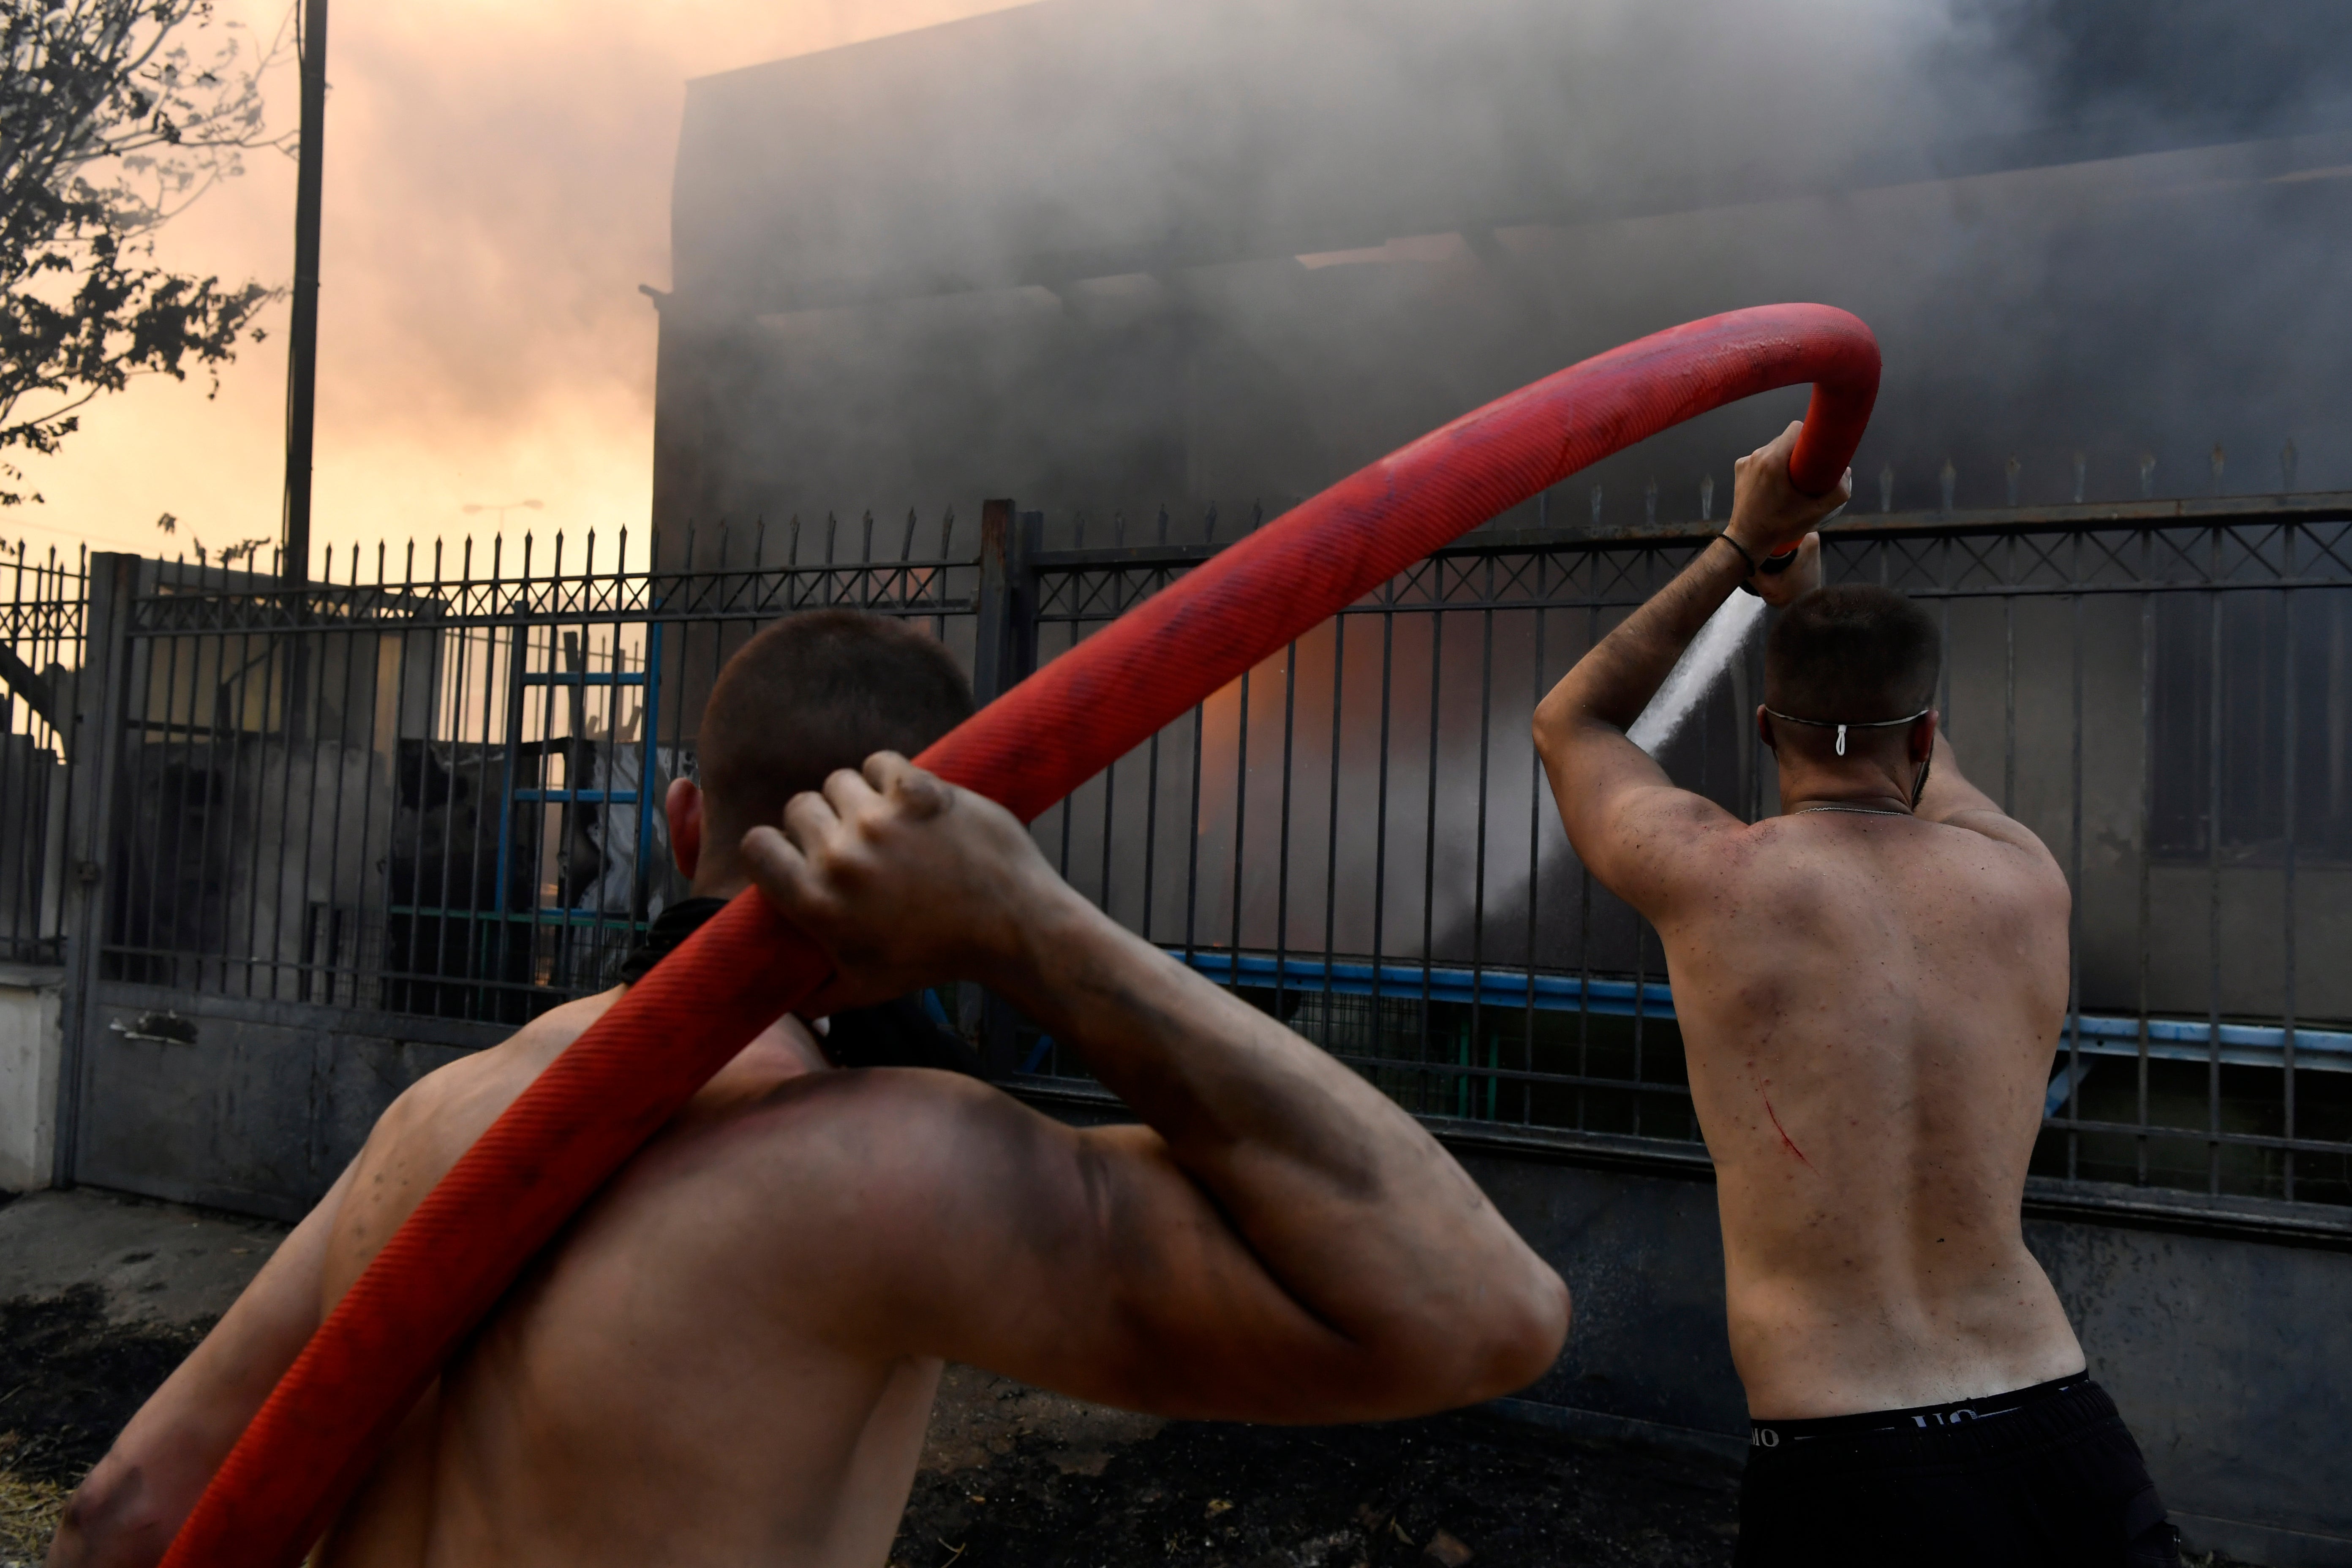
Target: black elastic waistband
pixel 1922 1417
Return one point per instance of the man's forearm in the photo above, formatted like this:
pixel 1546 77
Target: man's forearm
pixel 1202 1065
pixel 1342 1197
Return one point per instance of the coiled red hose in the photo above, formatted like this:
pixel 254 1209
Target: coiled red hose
pixel 446 1267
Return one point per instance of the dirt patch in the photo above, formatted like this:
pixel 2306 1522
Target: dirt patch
pixel 1060 1487
pixel 70 1378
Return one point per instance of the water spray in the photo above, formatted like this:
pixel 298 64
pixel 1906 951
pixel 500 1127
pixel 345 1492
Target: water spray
pixel 1695 674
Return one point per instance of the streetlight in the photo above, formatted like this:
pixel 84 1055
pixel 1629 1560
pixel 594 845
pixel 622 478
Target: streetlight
pixel 501 508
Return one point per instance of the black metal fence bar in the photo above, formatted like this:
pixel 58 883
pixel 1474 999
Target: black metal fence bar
pixel 41 628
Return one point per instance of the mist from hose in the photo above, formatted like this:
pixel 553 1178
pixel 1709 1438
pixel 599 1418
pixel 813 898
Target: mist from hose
pixel 1694 675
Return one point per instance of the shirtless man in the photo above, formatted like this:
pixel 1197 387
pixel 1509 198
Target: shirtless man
pixel 1870 988
pixel 729 1357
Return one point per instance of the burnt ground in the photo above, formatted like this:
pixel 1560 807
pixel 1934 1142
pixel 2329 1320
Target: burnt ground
pixel 1059 1493
pixel 70 1378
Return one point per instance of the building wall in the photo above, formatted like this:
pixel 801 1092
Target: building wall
pixel 31 1045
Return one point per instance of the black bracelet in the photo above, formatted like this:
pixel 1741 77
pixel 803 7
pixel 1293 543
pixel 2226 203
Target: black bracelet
pixel 1726 537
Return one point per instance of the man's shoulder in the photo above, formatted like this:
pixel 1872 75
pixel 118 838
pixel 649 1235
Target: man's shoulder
pixel 881 1171
pixel 1791 866
pixel 459 1098
pixel 879 1136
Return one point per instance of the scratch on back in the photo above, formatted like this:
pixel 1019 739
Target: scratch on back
pixel 1783 1131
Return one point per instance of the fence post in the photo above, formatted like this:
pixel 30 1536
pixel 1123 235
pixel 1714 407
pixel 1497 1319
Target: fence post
pixel 101 699
pixel 1005 637
pixel 1004 650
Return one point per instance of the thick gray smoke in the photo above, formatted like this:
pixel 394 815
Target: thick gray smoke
pixel 1109 257
pixel 1054 253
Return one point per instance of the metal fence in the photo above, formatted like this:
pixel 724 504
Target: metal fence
pixel 434 787
pixel 1359 834
pixel 430 787
pixel 40 653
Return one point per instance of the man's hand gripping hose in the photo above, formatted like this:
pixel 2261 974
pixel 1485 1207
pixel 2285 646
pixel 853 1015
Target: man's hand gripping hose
pixel 447 1264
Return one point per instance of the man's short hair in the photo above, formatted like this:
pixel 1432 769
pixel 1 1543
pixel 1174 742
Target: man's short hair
pixel 1853 652
pixel 811 694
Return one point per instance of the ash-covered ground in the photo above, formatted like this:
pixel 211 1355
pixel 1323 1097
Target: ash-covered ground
pixel 1017 1478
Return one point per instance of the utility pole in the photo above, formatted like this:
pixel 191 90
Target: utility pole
pixel 302 352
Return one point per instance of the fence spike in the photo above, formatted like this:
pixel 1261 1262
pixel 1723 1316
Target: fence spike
pixel 2221 462
pixel 2082 472
pixel 1950 480
pixel 2010 471
pixel 1650 500
pixel 1886 486
pixel 1596 506
pixel 2286 465
pixel 2146 475
pixel 1707 498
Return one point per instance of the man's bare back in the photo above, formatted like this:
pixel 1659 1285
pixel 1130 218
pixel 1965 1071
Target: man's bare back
pixel 1868 1007
pixel 672 1381
pixel 730 1353
pixel 1871 987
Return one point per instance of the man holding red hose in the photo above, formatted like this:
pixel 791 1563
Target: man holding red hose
pixel 729 1354
pixel 1871 987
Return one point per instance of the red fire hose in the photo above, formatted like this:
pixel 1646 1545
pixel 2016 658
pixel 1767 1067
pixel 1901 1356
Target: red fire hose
pixel 446 1267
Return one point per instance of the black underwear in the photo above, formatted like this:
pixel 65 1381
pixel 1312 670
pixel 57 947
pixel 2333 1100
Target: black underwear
pixel 1772 1434
pixel 905 1032
pixel 2044 1477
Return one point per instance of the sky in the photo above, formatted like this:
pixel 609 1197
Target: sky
pixel 498 177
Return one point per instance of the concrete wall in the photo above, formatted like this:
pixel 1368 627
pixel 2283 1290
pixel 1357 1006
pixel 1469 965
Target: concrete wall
pixel 2228 1357
pixel 30 1047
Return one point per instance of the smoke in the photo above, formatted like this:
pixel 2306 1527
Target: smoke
pixel 1111 255
pixel 497 188
pixel 1107 254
